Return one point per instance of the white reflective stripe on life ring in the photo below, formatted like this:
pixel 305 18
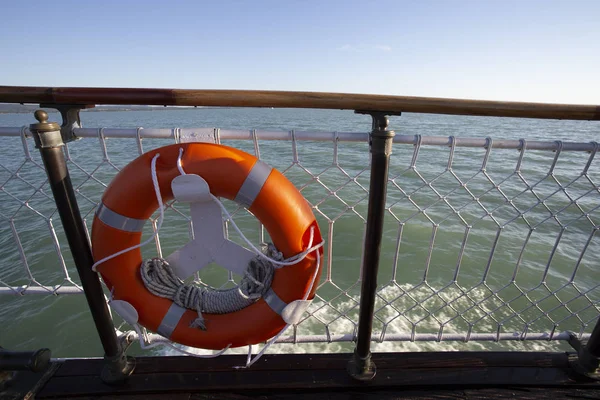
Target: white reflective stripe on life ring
pixel 118 221
pixel 253 184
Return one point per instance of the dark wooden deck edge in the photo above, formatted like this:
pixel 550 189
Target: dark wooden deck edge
pixel 278 376
pixel 291 362
pixel 265 98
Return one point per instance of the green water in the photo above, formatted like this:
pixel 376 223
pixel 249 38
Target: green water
pixel 428 241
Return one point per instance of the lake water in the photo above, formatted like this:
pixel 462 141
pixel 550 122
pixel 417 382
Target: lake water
pixel 502 253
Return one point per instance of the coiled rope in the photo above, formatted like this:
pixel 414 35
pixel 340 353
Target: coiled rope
pixel 160 280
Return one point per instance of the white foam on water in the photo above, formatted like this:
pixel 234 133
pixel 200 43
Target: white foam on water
pixel 321 315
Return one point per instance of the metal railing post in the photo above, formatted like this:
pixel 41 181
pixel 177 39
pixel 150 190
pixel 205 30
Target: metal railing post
pixel 587 360
pixel 593 343
pixel 361 367
pixel 49 141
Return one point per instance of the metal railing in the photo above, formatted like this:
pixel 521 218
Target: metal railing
pixel 405 185
pixel 517 221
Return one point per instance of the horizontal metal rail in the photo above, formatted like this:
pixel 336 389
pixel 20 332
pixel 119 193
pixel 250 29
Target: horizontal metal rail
pixel 233 134
pixel 404 337
pixel 287 99
pixel 43 290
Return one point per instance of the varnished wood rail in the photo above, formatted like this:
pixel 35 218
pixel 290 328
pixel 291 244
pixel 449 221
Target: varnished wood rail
pixel 283 99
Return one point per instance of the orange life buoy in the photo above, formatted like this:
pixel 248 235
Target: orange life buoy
pixel 130 200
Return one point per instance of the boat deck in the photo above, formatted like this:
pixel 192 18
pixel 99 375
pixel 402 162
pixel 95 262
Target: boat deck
pixel 537 191
pixel 455 375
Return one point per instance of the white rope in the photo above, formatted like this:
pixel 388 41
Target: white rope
pixel 194 296
pixel 179 166
pixel 146 344
pixel 160 279
pixel 249 360
pixel 136 326
pixel 160 218
pixel 288 261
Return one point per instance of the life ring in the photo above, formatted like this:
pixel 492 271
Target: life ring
pixel 130 200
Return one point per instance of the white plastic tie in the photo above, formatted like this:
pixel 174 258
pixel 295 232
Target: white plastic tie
pixel 125 311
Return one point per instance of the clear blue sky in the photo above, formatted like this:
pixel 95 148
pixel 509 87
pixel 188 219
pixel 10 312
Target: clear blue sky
pixel 525 50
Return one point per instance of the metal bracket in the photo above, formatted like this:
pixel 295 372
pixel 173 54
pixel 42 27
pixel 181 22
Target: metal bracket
pixel 361 369
pixel 371 112
pixel 117 369
pixel 380 138
pixel 125 340
pixel 45 134
pixel 70 118
pixel 584 363
pixel 204 135
pixel 35 361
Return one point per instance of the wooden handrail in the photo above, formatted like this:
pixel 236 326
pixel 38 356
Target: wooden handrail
pixel 281 99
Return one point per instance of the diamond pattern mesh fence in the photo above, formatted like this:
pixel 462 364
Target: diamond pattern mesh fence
pixel 482 240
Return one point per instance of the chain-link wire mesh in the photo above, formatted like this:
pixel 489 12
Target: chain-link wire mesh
pixel 508 242
pixel 482 240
